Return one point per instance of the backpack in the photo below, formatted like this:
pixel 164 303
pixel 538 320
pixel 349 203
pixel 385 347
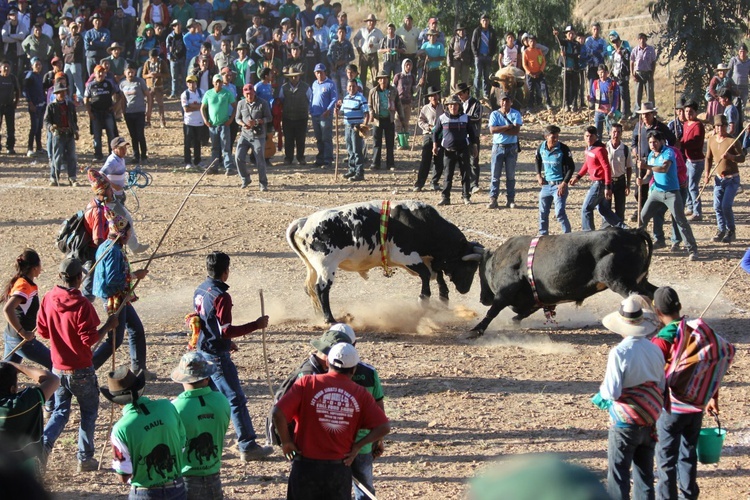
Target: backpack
pixel 74 240
pixel 682 175
pixel 700 359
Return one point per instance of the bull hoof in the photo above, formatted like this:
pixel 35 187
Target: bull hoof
pixel 516 320
pixel 444 299
pixel 474 334
pixel 424 301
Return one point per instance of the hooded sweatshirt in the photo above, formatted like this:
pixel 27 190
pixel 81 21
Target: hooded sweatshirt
pixel 70 323
pixel 405 83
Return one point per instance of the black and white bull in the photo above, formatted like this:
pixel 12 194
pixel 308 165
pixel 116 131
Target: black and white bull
pixel 566 268
pixel 418 239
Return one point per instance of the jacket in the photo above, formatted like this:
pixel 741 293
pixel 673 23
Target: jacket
pixel 176 50
pixel 38 47
pixel 476 38
pixel 53 116
pixel 394 104
pixel 72 50
pixel 13 38
pixel 456 54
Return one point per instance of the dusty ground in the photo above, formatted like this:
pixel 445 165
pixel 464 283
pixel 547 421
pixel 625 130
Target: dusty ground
pixel 455 405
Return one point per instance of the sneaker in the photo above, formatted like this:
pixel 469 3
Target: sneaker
pixel 693 256
pixel 263 188
pixel 435 186
pixel 357 178
pixel 493 204
pixel 324 165
pixel 675 247
pixel 392 167
pixel 467 201
pixel 245 184
pixel 53 183
pixel 695 217
pixel 49 405
pixel 475 189
pixel 89 465
pixel 142 247
pixel 719 236
pixel 349 174
pixel 29 153
pixel 11 151
pixel 729 237
pixel 189 166
pixel 658 244
pixel 444 202
pixel 417 189
pixel 511 204
pixel 74 182
pixel 255 452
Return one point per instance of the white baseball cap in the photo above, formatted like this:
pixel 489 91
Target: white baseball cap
pixel 345 329
pixel 343 355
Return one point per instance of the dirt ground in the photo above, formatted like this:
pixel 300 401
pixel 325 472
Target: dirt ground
pixel 455 405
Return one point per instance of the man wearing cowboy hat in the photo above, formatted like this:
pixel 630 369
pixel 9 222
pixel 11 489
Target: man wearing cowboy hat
pixel 69 321
pixel 176 54
pixel 426 121
pixel 433 53
pixel 458 141
pixel 117 64
pixel 205 415
pixel 149 435
pixel 95 42
pixel 459 56
pixel 253 116
pixel 61 121
pixel 384 118
pixel 473 109
pixel 633 393
pixel 642 66
pixel 367 42
pixel 294 94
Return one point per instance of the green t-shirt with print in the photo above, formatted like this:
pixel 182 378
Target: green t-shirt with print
pixel 205 415
pixel 367 377
pixel 147 443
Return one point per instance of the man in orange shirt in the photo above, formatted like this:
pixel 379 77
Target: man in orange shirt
pixel 534 63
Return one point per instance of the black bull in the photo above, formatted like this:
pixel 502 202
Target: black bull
pixel 567 268
pixel 161 460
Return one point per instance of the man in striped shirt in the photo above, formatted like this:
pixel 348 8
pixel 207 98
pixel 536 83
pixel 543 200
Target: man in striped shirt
pixel 356 113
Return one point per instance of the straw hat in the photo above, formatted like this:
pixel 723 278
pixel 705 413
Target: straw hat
pixel 631 320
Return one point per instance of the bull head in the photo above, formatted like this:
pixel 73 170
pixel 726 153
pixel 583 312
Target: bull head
pixel 461 271
pixel 476 255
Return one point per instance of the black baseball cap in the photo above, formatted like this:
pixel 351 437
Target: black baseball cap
pixel 666 300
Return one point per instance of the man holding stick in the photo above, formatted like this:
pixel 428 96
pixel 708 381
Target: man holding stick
pixel 214 307
pixel 727 154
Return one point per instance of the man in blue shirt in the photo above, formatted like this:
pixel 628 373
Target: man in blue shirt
pixel 356 113
pixel 95 42
pixel 665 189
pixel 596 50
pixel 434 53
pixel 554 168
pixel 505 124
pixel 322 103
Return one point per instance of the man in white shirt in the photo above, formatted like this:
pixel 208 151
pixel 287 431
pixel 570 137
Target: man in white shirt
pixel 621 160
pixel 367 42
pixel 410 35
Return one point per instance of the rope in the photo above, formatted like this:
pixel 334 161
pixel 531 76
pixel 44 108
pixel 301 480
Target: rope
pixel 549 310
pixel 385 215
pixel 139 178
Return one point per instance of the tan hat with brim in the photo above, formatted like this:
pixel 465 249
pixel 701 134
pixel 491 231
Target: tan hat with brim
pixel 631 320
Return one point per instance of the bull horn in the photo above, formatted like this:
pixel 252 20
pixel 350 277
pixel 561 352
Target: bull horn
pixel 478 248
pixel 472 256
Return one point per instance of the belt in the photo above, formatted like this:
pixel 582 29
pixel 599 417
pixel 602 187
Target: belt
pixel 513 144
pixel 73 372
pixel 730 176
pixel 300 458
pixel 554 183
pixel 177 483
pixel 204 479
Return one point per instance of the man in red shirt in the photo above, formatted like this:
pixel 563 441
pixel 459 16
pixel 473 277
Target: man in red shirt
pixel 328 410
pixel 693 137
pixel 600 174
pixel 69 321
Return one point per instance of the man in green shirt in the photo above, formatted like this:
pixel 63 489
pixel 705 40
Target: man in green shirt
pixel 217 111
pixel 147 441
pixel 205 415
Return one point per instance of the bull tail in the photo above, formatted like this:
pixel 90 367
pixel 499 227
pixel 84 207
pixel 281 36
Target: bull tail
pixel 643 234
pixel 312 274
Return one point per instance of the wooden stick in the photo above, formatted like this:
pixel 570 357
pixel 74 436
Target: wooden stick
pixel 263 339
pixel 91 270
pixel 364 488
pixel 419 103
pixel 188 250
pixel 640 170
pixel 336 164
pixel 721 287
pixel 719 162
pixel 15 349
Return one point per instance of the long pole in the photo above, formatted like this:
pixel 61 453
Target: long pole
pixel 419 102
pixel 721 287
pixel 15 350
pixel 719 162
pixel 564 70
pixel 640 168
pixel 336 164
pixel 188 250
pixel 263 339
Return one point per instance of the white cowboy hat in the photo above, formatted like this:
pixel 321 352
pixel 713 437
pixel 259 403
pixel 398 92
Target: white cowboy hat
pixel 631 320
pixel 219 22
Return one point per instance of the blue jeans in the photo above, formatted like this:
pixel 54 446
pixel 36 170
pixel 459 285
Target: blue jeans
pixel 35 128
pixel 676 455
pixel 102 120
pixel 595 199
pixel 34 350
pixel 74 71
pixel 355 147
pixel 171 491
pixel 83 385
pixel 659 222
pixel 204 487
pixel 724 192
pixel 482 71
pixel 63 150
pixel 136 339
pixel 323 129
pixel 226 381
pixel 695 172
pixel 221 145
pixel 504 159
pixel 362 471
pixel 599 121
pixel 547 195
pixel 630 445
pixel 258 146
pixel 178 76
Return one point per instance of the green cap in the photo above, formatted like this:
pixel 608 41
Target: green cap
pixel 330 339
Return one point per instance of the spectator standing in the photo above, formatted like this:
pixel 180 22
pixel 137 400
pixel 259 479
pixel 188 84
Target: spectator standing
pixel 322 103
pixel 433 53
pixel 405 83
pixel 157 12
pixel 739 69
pixel 216 28
pixel 69 321
pixel 722 150
pixel 100 97
pixel 176 54
pixel 136 94
pixel 95 42
pixel 605 95
pixel 143 46
pixel 642 66
pixel 244 67
pixel 253 116
pixel 225 57
pixel 596 50
pixel 460 56
pixel 410 36
pixel 458 141
pixel 367 41
pixel 571 51
pixel 621 69
pixel 217 110
pixel 295 96
pixel 554 168
pixel 181 11
pixel 121 28
pixel 483 47
pixel 473 110
pixel 340 53
pixel 621 159
pixel 356 113
pixel 10 93
pixel 311 54
pixel 392 49
pixel 156 73
pixel 693 138
pixel 203 11
pixel 534 63
pixel 508 56
pixel 205 415
pixel 432 25
pixel 62 125
pixel 36 99
pixel 428 115
pixel 13 34
pixel 384 104
pixel 504 124
pixel 192 126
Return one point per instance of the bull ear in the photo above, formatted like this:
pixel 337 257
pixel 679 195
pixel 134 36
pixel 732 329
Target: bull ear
pixel 472 257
